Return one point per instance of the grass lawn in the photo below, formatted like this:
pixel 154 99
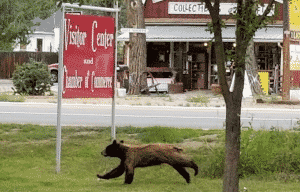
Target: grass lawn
pixel 27 163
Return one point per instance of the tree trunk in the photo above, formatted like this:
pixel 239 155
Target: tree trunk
pixel 252 69
pixel 232 146
pixel 245 30
pixel 137 44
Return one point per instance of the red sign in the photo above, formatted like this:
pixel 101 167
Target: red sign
pixel 89 44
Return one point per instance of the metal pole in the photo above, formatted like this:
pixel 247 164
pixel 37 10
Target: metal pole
pixel 59 97
pixel 113 126
pixel 90 7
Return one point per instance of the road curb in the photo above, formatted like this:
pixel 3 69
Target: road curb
pixel 150 107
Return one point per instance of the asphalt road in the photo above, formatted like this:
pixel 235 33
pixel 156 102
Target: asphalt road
pixel 100 115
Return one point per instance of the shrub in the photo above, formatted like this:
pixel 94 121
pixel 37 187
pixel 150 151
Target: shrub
pixel 31 78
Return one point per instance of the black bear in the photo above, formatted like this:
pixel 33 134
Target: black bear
pixel 144 156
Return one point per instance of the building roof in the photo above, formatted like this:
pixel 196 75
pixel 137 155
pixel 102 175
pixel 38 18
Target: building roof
pixel 50 23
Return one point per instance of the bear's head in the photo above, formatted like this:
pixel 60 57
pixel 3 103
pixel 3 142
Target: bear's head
pixel 113 150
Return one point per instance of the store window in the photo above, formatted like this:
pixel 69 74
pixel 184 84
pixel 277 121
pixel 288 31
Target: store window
pixel 39 45
pixel 267 56
pixel 158 54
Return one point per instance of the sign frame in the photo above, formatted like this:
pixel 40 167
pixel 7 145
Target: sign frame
pixel 60 73
pixel 88 56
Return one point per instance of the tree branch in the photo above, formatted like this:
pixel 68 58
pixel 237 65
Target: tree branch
pixel 220 56
pixel 266 12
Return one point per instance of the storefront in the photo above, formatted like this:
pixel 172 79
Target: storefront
pixel 177 38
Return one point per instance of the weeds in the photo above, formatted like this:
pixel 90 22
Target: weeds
pixel 269 151
pixel 11 98
pixel 198 99
pixel 162 95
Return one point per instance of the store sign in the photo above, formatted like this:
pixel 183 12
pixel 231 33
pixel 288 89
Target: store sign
pixel 295 35
pixel 294 57
pixel 200 9
pixel 187 8
pixel 88 56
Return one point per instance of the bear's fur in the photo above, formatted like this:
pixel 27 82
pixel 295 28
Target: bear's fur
pixel 144 156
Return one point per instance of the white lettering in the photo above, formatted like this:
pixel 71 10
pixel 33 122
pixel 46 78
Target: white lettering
pixel 73 37
pixel 92 83
pixel 105 40
pixel 86 81
pixel 88 61
pixel 103 82
pixel 73 81
pixel 94 25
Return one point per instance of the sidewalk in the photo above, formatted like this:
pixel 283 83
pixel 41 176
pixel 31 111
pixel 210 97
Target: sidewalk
pixel 202 98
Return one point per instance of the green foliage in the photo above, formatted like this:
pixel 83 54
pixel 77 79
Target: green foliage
pixel 262 153
pixel 16 19
pixel 102 3
pixel 6 46
pixel 32 78
pixel 269 151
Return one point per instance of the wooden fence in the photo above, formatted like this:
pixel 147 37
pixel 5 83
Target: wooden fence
pixel 9 60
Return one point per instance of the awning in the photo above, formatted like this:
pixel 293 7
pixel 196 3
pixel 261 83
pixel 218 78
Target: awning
pixel 199 34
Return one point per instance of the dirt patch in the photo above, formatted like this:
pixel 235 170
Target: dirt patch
pixel 195 143
pixel 85 133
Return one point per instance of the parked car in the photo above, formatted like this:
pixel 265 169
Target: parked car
pixel 53 68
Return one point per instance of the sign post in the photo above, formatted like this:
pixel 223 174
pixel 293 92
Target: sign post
pixel 113 126
pixel 87 63
pixel 60 69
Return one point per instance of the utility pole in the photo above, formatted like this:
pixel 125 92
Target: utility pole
pixel 286 84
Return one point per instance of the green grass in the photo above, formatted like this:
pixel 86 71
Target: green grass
pixel 166 135
pixel 27 161
pixel 11 98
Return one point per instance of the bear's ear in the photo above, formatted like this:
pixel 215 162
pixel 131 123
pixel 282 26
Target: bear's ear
pixel 121 141
pixel 114 142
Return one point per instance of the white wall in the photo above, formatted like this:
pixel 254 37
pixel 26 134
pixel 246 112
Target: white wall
pixel 48 40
